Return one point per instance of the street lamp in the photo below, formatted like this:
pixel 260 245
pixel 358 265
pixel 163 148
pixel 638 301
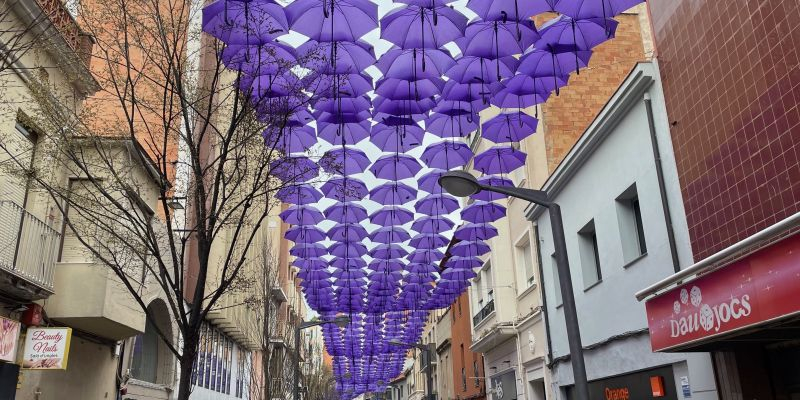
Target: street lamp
pixel 429 350
pixel 339 321
pixel 462 184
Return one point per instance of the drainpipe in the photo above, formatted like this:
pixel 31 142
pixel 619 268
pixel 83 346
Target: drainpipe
pixel 544 303
pixel 673 249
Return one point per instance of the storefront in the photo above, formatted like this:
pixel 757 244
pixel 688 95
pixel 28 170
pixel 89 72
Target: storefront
pixel 746 313
pixel 650 384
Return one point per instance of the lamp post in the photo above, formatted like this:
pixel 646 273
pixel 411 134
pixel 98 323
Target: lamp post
pixel 339 321
pixel 429 350
pixel 462 184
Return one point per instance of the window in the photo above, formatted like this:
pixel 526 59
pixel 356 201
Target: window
pixel 631 229
pixel 590 255
pixel 488 290
pixel 524 259
pixel 144 366
pixel 556 280
pixel 463 370
pixel 214 366
pixel 475 371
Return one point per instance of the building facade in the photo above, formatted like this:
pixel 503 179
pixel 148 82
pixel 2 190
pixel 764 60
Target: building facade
pixel 737 163
pixel 468 376
pixel 623 223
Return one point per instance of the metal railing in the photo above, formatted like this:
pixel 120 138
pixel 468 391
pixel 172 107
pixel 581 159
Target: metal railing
pixel 483 313
pixel 28 246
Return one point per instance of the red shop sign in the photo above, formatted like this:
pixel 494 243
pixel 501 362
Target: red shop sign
pixel 760 287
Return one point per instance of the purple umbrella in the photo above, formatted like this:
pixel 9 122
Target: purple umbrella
pixel 345 189
pixel 344 105
pixel 429 182
pixel 413 64
pixel 436 204
pixel 416 27
pixel 499 159
pixel 389 234
pixel 337 57
pixel 458 274
pixel 344 161
pixel 396 138
pixel 509 127
pixel 432 224
pixel 301 215
pixel 473 69
pixel 392 193
pixel 388 251
pixel 290 140
pixel 522 91
pixel 348 263
pixel 567 35
pixel 582 9
pixel 305 234
pixel 540 63
pixel 458 262
pixel 346 213
pixel 447 126
pixel 299 194
pixel 467 92
pixel 333 20
pixel 391 215
pixel 475 232
pixel 509 10
pixel 421 270
pixel 347 249
pixel 347 232
pixel 310 263
pixel 425 256
pixel 402 107
pixel 483 212
pixel 386 266
pixel 469 249
pixel 429 241
pixel 401 89
pixel 491 180
pixel 268 58
pixel 395 167
pixel 343 133
pixel 244 22
pixel 314 275
pixel 447 155
pixel 305 250
pixel 495 39
pixel 339 85
pixel 267 86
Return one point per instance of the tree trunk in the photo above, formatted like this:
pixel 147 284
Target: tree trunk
pixel 186 362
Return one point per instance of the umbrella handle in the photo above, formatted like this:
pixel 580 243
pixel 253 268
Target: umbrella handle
pixel 435 17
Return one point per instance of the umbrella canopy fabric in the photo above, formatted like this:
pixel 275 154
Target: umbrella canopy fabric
pixel 415 27
pixel 333 20
pixel 392 193
pixel 344 161
pixel 345 189
pixel 447 155
pixel 509 127
pixel 395 167
pixel 499 159
pixel 244 22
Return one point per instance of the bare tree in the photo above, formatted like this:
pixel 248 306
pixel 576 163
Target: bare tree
pixel 170 123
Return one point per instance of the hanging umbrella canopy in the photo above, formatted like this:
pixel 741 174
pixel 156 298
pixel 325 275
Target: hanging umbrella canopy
pixel 339 85
pixel 422 28
pixel 347 212
pixel 509 127
pixel 429 182
pixel 469 249
pixel 492 180
pixel 564 34
pixel 268 58
pixel 304 234
pixel 386 265
pixel 425 256
pixel 583 9
pixel 402 107
pixel 458 274
pixel 345 189
pixel 499 160
pixel 299 194
pixel 429 241
pixel 391 215
pixel 509 10
pixel 347 233
pixel 290 140
pixel 333 20
pixel 522 91
pixel 306 250
pixel 495 39
pixel 401 89
pixel 352 262
pixel 474 232
pixel 473 69
pixel 344 161
pixel 436 204
pixel 310 263
pixel 447 126
pixel 346 105
pixel 301 215
pixel 389 234
pixel 541 63
pixel 396 138
pixel 413 64
pixel 447 155
pixel 432 224
pixel 388 251
pixel 244 22
pixel 343 133
pixel 483 212
pixel 395 167
pixel 458 262
pixel 392 193
pixel 347 249
pixel 337 57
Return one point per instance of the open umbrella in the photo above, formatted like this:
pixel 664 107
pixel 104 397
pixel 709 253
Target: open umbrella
pixel 290 140
pixel 475 232
pixel 429 241
pixel 395 167
pixel 495 39
pixel 388 251
pixel 301 215
pixel 429 182
pixel 347 249
pixel 269 58
pixel 346 212
pixel 422 28
pixel 436 204
pixel 402 107
pixel 425 256
pixel 413 64
pixel 509 127
pixel 499 159
pixel 347 232
pixel 522 91
pixel 333 20
pixel 460 262
pixel 401 89
pixel 469 249
pixel 584 9
pixel 344 161
pixel 447 155
pixel 474 69
pixel 567 35
pixel 430 224
pixel 340 57
pixel 345 189
pixel 307 250
pixel 244 22
pixel 299 194
pixel 449 126
pixel 304 234
pixel 396 138
pixel 492 180
pixel 391 215
pixel 392 193
pixel 483 212
pixel 343 133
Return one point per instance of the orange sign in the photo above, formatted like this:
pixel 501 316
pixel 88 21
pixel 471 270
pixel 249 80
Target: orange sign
pixel 617 394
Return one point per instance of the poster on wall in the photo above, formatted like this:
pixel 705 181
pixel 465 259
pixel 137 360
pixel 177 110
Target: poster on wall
pixel 9 337
pixel 46 348
pixel 504 386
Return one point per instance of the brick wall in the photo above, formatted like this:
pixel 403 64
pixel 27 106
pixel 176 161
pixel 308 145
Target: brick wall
pixel 462 338
pixel 732 85
pixel 566 116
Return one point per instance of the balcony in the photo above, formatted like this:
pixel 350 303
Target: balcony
pixel 28 249
pixel 483 313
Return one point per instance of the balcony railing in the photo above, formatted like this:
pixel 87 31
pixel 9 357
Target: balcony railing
pixel 483 313
pixel 28 246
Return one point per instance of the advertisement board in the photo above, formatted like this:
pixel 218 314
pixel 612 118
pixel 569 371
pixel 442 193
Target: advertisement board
pixel 9 337
pixel 46 348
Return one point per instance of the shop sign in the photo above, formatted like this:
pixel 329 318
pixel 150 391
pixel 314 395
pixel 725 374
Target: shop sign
pixel 46 348
pixel 9 337
pixel 758 288
pixel 504 387
pixel 651 384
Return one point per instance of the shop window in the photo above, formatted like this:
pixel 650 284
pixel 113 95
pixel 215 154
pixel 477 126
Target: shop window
pixel 631 229
pixel 590 255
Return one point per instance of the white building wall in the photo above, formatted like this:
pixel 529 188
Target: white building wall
pixel 614 154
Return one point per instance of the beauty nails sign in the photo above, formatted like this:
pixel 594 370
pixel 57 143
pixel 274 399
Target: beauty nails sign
pixel 758 288
pixel 46 348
